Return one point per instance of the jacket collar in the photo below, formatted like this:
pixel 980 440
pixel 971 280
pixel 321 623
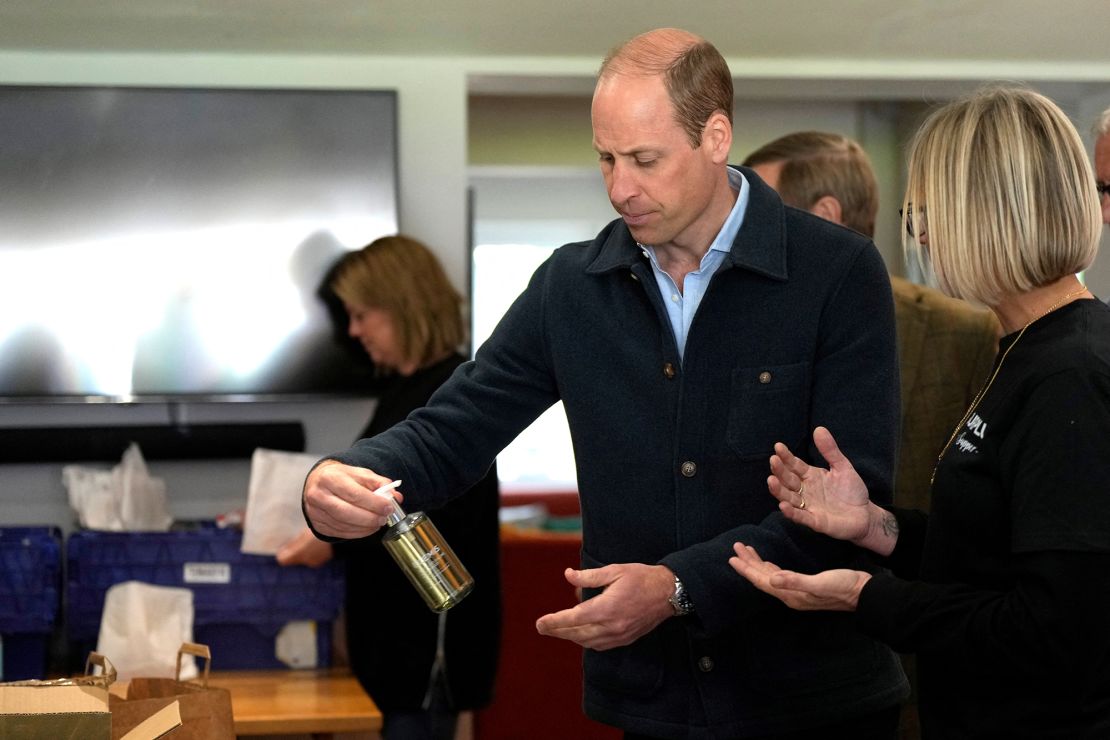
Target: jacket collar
pixel 760 245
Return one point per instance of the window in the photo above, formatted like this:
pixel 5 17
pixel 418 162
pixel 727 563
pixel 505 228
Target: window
pixel 519 219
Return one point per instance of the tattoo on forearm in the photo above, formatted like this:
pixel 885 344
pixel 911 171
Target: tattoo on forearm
pixel 890 525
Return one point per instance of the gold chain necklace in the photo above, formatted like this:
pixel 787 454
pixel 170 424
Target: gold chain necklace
pixel 983 391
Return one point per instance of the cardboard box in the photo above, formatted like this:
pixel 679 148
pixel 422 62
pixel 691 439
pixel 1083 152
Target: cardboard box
pixel 73 709
pixel 55 709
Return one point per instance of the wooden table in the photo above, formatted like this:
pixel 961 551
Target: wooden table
pixel 297 701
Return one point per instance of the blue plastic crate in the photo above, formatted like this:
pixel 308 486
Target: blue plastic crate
pixel 30 589
pixel 25 655
pixel 240 601
pixel 251 646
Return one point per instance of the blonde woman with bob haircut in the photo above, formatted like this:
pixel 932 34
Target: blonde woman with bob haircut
pixel 1002 589
pixel 422 669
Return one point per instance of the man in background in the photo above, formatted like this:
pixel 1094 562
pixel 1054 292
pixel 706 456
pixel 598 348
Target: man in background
pixel 1102 163
pixel 945 347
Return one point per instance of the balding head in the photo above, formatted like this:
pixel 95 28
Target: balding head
pixel 696 76
pixel 650 53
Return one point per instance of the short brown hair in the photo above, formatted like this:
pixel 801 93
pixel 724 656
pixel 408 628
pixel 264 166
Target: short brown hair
pixel 695 74
pixel 1008 192
pixel 816 164
pixel 401 275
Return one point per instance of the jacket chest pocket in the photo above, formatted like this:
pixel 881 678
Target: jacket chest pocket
pixel 767 404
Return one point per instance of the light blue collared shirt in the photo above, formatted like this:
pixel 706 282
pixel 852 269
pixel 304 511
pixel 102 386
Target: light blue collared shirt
pixel 683 304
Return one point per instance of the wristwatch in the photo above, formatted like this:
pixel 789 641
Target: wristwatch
pixel 680 600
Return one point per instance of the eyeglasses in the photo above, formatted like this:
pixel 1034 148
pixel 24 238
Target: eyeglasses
pixel 912 216
pixel 1103 188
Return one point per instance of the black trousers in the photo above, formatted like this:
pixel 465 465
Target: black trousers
pixel 882 725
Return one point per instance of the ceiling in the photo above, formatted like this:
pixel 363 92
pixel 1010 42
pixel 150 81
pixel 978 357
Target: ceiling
pixel 1072 32
pixel 841 47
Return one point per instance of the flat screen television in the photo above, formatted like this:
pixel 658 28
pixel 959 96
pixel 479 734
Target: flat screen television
pixel 171 243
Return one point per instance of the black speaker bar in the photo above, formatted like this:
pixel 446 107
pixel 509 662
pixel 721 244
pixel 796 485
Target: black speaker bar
pixel 163 442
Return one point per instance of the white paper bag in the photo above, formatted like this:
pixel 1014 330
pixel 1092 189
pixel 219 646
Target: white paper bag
pixel 125 498
pixel 273 514
pixel 142 628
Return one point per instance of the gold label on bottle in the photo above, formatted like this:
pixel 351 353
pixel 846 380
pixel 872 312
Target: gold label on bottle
pixel 428 561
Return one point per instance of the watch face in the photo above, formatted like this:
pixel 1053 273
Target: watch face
pixel 679 601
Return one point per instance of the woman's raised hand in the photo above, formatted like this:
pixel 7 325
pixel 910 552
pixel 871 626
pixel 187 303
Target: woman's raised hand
pixel 833 501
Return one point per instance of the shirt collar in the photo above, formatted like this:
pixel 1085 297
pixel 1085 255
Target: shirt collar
pixel 727 235
pixel 760 246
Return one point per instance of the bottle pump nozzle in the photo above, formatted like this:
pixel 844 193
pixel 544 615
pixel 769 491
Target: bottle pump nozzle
pixel 397 514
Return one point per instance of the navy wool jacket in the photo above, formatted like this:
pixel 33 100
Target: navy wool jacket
pixel 795 330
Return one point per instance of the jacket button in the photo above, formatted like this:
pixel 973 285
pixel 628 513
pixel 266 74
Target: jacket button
pixel 705 664
pixel 689 469
pixel 633 276
pixel 765 377
pixel 668 370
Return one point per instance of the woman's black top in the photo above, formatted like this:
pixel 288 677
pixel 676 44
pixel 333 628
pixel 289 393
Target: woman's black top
pixel 391 633
pixel 1010 598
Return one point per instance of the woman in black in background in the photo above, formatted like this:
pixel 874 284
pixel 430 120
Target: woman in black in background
pixel 420 668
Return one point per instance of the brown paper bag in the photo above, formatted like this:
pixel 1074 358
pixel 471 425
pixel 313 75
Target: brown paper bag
pixel 205 711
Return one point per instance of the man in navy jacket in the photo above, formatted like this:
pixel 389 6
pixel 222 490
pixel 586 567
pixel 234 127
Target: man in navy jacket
pixel 704 325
